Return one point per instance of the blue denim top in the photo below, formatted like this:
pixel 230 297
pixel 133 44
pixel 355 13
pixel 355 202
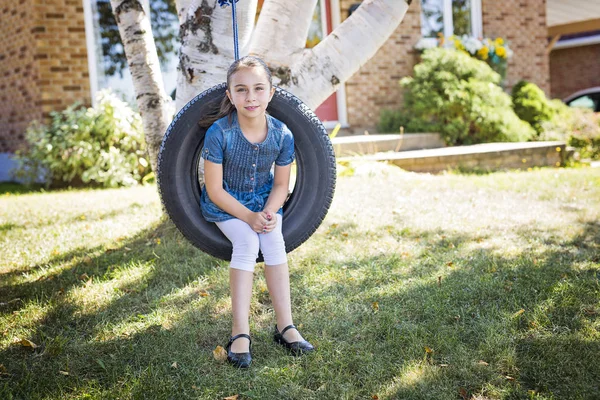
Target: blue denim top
pixel 247 167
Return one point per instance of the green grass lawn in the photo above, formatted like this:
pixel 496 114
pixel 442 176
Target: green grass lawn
pixel 415 287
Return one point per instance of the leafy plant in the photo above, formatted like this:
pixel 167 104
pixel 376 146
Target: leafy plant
pixel 100 146
pixel 579 128
pixel 460 97
pixel 390 121
pixel 531 105
pixel 495 52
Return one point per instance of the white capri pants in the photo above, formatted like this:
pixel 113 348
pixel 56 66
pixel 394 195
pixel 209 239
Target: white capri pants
pixel 246 244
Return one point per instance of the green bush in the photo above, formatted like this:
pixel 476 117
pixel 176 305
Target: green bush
pixel 101 146
pixel 578 127
pixel 460 97
pixel 390 121
pixel 531 105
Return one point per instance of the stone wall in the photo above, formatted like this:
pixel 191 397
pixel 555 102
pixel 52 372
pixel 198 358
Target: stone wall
pixel 574 69
pixel 44 63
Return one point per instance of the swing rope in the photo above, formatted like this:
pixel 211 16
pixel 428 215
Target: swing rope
pixel 223 4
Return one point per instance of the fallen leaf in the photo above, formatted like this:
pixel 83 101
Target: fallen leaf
pixel 509 378
pixel 443 365
pixel 27 343
pixel 234 397
pixel 463 393
pixel 203 293
pixel 174 365
pixel 63 373
pixel 375 306
pixel 521 311
pixel 439 281
pixel 481 362
pixel 84 277
pixel 450 263
pixel 375 397
pixel 87 259
pixel 3 369
pixel 220 354
pixel 428 350
pixel 195 387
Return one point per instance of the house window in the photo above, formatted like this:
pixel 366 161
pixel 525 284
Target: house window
pixel 451 17
pixel 107 62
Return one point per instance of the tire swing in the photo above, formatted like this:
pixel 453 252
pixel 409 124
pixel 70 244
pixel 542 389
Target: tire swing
pixel 178 173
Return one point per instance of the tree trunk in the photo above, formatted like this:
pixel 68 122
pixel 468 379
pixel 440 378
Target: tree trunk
pixel 140 50
pixel 315 74
pixel 207 44
pixel 279 38
pixel 281 32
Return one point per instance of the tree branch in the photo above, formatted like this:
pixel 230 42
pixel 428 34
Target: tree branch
pixel 281 30
pixel 321 70
pixel 207 45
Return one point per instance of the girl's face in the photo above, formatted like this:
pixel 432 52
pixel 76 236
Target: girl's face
pixel 250 92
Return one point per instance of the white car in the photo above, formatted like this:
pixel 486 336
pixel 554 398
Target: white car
pixel 587 98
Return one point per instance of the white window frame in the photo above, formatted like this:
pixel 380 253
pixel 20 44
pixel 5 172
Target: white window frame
pixel 92 51
pixel 476 22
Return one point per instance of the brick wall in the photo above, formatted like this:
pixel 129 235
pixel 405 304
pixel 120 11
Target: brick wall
pixel 18 72
pixel 523 24
pixel 375 86
pixel 574 69
pixel 44 63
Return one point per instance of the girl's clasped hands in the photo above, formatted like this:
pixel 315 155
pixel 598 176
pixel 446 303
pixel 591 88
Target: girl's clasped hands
pixel 262 221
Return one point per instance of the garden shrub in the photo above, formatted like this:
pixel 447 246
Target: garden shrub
pixel 531 105
pixel 579 128
pixel 460 97
pixel 390 121
pixel 101 146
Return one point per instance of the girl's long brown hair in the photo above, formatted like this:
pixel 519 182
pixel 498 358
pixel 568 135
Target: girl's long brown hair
pixel 226 107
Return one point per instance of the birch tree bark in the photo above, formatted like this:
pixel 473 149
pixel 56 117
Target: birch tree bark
pixel 279 38
pixel 136 34
pixel 207 44
pixel 314 74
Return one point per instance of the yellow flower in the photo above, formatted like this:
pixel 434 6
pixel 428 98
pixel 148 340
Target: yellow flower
pixel 501 52
pixel 483 52
pixel 499 41
pixel 458 45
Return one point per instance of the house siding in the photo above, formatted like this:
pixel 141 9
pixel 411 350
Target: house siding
pixel 574 69
pixel 43 65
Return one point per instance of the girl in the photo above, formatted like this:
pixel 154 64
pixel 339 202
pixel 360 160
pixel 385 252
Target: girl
pixel 244 198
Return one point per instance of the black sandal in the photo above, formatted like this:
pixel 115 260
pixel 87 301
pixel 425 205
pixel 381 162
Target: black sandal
pixel 240 360
pixel 296 348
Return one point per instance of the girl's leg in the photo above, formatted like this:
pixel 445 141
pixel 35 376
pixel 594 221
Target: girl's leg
pixel 241 273
pixel 240 286
pixel 278 279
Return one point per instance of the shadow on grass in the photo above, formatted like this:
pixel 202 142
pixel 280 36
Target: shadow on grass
pixel 399 327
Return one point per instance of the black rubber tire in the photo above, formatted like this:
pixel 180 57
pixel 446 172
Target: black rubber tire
pixel 180 191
